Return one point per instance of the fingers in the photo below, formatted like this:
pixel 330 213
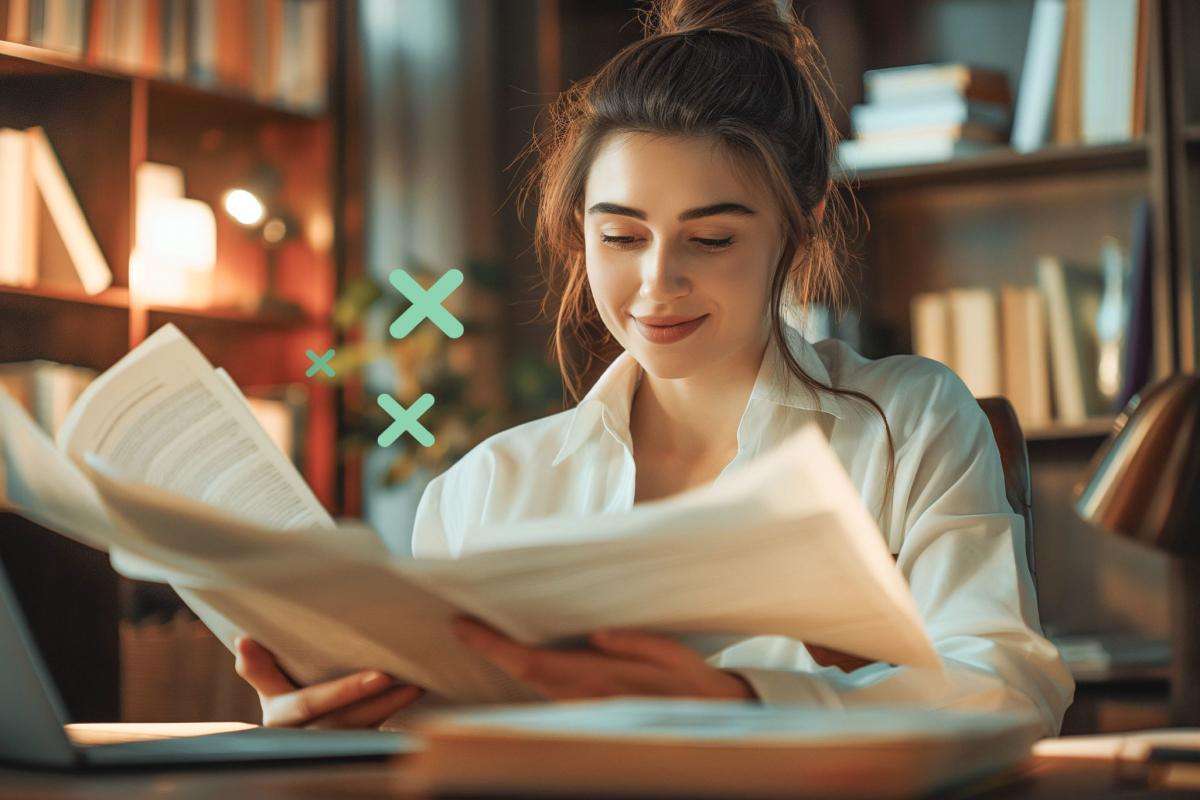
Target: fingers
pixel 561 675
pixel 647 647
pixel 255 664
pixel 514 658
pixel 302 706
pixel 369 713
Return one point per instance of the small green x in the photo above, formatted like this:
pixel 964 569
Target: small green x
pixel 425 303
pixel 405 420
pixel 320 363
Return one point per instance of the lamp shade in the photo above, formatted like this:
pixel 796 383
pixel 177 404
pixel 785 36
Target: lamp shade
pixel 1144 482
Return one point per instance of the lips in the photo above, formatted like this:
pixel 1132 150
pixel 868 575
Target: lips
pixel 668 329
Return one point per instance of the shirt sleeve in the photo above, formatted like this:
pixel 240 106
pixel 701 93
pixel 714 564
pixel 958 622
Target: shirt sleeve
pixel 963 556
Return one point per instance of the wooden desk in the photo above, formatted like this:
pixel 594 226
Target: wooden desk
pixel 1045 779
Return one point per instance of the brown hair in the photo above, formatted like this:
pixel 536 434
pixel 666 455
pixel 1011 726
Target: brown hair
pixel 743 72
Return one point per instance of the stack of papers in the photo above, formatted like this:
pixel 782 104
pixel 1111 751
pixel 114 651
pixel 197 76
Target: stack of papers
pixel 162 464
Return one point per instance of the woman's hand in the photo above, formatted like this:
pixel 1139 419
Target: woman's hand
pixel 623 663
pixel 361 700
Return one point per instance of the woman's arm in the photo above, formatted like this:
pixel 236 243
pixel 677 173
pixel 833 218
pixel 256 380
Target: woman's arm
pixel 963 555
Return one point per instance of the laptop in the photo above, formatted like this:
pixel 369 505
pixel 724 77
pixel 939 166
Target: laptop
pixel 33 729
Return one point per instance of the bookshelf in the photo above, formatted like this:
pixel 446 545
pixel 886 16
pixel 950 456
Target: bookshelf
pixel 103 121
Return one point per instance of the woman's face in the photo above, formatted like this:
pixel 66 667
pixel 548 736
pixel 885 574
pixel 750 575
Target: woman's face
pixel 680 249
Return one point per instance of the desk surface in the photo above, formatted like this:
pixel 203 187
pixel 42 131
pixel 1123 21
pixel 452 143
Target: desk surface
pixel 1046 778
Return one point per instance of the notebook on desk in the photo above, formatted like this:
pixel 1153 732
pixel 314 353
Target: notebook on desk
pixel 33 730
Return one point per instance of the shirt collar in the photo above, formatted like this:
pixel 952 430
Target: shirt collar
pixel 608 402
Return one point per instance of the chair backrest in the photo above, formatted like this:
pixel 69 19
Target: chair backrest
pixel 1015 459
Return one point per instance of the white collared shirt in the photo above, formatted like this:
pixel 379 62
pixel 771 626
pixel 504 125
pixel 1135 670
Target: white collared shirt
pixel 956 539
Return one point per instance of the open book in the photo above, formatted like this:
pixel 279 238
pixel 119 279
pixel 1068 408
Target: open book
pixel 162 463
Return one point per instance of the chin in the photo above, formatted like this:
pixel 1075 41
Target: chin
pixel 668 366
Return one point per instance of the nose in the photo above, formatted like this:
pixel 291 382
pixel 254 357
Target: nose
pixel 664 275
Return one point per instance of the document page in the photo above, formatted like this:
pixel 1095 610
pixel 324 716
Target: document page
pixel 163 417
pixel 756 557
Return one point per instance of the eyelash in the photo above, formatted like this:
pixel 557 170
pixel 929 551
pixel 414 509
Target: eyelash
pixel 710 244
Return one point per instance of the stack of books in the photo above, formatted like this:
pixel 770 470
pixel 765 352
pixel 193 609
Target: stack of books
pixel 1074 347
pixel 927 113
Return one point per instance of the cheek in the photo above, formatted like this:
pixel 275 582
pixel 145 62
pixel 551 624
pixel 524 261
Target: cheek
pixel 610 281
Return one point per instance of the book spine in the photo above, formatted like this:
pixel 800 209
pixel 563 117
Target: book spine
pixel 67 216
pixel 931 327
pixel 1069 402
pixel 1109 49
pixel 1039 76
pixel 18 217
pixel 951 111
pixel 975 334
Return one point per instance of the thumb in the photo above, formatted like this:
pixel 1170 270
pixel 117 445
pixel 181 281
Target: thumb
pixel 255 664
pixel 646 647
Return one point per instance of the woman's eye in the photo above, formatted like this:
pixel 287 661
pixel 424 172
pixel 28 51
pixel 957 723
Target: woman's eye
pixel 619 241
pixel 625 241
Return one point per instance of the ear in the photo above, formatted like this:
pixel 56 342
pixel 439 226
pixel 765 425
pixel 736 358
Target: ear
pixel 819 211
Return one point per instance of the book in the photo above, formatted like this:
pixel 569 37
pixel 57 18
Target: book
pixel 975 339
pixel 867 118
pixel 65 27
pixel 1039 76
pixel 163 465
pixel 18 210
pixel 17 29
pixel 952 132
pixel 864 154
pixel 930 314
pixel 924 82
pixel 68 252
pixel 1137 358
pixel 1067 92
pixel 691 748
pixel 1141 71
pixel 1110 34
pixel 1026 365
pixel 1072 295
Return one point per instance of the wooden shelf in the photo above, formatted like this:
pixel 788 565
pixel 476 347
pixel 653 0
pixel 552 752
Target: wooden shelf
pixel 32 60
pixel 119 297
pixel 1097 428
pixel 279 319
pixel 1003 165
pixel 113 297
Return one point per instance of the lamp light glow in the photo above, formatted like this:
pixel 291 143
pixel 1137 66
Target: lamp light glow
pixel 244 206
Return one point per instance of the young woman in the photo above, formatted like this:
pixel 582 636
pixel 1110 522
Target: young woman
pixel 684 205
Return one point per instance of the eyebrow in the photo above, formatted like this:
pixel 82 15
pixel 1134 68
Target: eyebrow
pixel 690 214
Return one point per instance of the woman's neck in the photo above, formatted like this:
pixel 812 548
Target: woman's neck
pixel 695 415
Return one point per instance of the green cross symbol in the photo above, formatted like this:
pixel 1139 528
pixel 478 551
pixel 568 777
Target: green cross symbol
pixel 405 420
pixel 426 303
pixel 320 363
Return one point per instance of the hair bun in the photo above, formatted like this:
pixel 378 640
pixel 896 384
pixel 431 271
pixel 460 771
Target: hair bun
pixel 765 21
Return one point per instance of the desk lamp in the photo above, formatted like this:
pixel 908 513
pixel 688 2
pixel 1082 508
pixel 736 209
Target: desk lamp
pixel 255 204
pixel 1145 484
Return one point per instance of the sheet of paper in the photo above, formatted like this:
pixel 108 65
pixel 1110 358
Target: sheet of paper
pixel 162 416
pixel 757 558
pixel 324 605
pixel 758 554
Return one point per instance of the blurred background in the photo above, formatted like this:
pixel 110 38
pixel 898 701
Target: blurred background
pixel 1028 173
